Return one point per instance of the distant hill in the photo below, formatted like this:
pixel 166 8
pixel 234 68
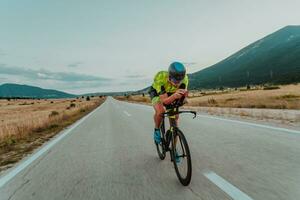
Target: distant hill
pixel 145 91
pixel 272 59
pixel 26 91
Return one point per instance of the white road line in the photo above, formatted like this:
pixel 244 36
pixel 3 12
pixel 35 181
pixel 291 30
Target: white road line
pixel 228 188
pixel 127 113
pixel 251 124
pixel 11 174
pixel 239 122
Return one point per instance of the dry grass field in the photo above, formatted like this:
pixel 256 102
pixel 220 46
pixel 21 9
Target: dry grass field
pixel 285 97
pixel 135 98
pixel 26 124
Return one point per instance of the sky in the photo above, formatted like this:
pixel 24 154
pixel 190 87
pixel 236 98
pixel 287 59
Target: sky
pixel 101 46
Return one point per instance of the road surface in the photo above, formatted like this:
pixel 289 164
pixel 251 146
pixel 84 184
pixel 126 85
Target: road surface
pixel 110 155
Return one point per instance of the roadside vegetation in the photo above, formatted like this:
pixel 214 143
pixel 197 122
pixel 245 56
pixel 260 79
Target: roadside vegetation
pixel 269 96
pixel 26 124
pixel 274 97
pixel 278 104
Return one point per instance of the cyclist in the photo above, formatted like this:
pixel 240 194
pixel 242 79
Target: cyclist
pixel 167 87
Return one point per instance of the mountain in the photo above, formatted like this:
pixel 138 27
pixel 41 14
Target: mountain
pixel 145 91
pixel 26 91
pixel 272 59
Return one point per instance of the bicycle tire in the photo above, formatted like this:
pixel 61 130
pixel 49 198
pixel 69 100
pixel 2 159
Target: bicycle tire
pixel 184 179
pixel 161 151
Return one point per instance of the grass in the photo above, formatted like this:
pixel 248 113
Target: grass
pixel 22 129
pixel 135 98
pixel 276 97
pixel 283 97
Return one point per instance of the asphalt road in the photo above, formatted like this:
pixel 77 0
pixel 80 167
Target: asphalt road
pixel 110 155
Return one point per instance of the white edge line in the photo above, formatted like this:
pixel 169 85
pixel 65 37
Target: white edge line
pixel 11 174
pixel 237 121
pixel 251 124
pixel 127 113
pixel 228 188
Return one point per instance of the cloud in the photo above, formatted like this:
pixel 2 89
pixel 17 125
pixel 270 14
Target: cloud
pixel 189 63
pixel 69 81
pixel 135 76
pixel 2 53
pixel 43 74
pixel 75 64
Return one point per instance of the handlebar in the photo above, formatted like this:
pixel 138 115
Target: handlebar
pixel 175 112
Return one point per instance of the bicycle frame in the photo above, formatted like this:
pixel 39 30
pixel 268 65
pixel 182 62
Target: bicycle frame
pixel 171 114
pixel 169 141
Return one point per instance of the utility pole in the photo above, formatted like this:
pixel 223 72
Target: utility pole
pixel 271 74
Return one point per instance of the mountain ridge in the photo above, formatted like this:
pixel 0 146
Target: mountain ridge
pixel 12 90
pixel 275 58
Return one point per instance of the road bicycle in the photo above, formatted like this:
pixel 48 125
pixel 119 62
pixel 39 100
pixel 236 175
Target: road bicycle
pixel 174 141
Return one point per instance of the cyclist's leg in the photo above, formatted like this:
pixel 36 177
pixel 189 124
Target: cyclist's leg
pixel 159 109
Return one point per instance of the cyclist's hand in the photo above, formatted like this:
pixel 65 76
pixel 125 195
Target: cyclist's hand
pixel 183 92
pixel 177 95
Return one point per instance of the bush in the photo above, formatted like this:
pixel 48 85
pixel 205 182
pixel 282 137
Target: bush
pixel 88 98
pixel 53 113
pixel 72 105
pixel 211 101
pixel 271 87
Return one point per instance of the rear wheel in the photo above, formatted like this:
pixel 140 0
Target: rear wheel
pixel 181 158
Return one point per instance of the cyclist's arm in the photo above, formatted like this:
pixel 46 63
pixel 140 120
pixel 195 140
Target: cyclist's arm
pixel 167 100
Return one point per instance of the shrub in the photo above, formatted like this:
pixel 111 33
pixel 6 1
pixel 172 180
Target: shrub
pixel 288 96
pixel 211 101
pixel 53 113
pixel 88 98
pixel 72 105
pixel 53 126
pixel 271 87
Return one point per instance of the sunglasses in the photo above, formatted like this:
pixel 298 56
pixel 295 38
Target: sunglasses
pixel 174 80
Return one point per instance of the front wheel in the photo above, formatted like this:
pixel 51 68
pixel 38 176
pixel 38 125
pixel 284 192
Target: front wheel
pixel 181 158
pixel 161 148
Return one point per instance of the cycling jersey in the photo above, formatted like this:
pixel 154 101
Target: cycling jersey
pixel 162 85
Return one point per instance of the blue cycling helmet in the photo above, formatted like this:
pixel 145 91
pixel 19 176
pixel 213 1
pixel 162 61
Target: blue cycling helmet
pixel 176 72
